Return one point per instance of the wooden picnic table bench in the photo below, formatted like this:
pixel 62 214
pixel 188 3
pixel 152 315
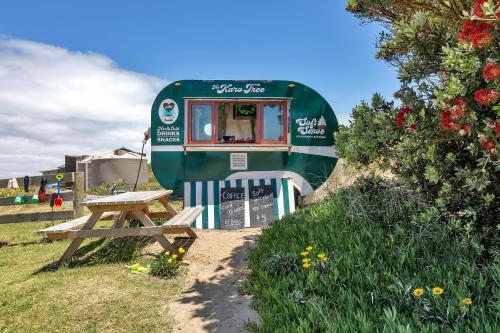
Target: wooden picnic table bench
pixel 123 206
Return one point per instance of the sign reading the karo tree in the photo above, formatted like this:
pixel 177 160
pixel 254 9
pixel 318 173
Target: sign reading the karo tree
pixel 261 205
pixel 232 208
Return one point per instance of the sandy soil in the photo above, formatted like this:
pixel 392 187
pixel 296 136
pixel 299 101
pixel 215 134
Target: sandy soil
pixel 217 263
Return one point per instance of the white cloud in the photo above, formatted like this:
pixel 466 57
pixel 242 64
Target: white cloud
pixel 55 102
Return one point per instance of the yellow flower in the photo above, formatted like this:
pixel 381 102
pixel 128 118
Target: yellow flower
pixel 306 260
pixel 304 254
pixel 437 291
pixel 169 260
pixel 309 248
pixel 322 256
pixel 306 265
pixel 418 292
pixel 181 250
pixel 174 256
pixel 467 301
pixel 167 253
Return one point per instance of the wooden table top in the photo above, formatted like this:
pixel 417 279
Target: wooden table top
pixel 128 198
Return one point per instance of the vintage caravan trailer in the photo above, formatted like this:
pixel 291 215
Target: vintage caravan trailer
pixel 233 131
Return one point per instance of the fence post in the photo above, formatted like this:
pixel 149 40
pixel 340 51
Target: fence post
pixel 78 194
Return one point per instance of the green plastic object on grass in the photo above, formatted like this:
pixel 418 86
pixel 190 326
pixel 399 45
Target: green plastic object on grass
pixel 137 268
pixel 19 200
pixel 34 199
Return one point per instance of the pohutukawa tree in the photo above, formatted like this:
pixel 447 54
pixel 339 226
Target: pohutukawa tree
pixel 444 140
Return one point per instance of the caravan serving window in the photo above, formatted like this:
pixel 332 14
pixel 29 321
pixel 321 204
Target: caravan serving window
pixel 273 129
pixel 237 122
pixel 201 119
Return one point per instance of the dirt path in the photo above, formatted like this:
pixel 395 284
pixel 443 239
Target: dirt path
pixel 217 264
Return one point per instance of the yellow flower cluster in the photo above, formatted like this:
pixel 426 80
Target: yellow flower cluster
pixel 306 262
pixel 322 256
pixel 172 257
pixel 419 291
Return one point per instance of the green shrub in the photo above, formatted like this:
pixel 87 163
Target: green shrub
pixel 377 255
pixel 281 264
pixel 444 140
pixel 165 265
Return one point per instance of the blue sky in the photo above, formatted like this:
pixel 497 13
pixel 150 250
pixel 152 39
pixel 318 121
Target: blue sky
pixel 89 63
pixel 314 42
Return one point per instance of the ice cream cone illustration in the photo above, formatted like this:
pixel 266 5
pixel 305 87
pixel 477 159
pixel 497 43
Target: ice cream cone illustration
pixel 322 123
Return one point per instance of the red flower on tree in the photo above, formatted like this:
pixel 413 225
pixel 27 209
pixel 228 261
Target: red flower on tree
pixel 400 116
pixel 457 111
pixel 447 122
pixel 489 146
pixel 486 96
pixel 465 129
pixel 480 40
pixel 491 72
pixel 413 128
pixel 478 11
pixel 477 32
pixel 460 101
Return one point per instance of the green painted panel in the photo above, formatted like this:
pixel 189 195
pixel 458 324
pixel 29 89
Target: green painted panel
pixel 284 189
pixel 315 169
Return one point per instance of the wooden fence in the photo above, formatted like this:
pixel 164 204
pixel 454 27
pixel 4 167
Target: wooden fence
pixel 35 180
pixel 76 195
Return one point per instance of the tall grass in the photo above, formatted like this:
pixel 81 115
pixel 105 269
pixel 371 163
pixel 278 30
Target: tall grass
pixel 378 255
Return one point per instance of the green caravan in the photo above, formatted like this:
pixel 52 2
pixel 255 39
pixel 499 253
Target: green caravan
pixel 233 130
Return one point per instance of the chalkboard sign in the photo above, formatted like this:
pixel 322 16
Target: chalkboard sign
pixel 232 208
pixel 261 205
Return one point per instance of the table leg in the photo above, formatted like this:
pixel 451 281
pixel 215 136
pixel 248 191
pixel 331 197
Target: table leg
pixel 146 221
pixel 75 244
pixel 168 206
pixel 120 220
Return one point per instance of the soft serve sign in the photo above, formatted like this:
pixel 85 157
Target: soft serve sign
pixel 311 128
pixel 248 88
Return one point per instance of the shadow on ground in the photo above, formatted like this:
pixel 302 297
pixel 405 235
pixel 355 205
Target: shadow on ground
pixel 116 250
pixel 222 308
pixel 101 251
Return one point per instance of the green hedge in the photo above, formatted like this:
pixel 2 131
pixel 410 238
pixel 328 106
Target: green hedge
pixel 377 256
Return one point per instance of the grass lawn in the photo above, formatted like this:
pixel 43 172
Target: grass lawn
pixel 83 296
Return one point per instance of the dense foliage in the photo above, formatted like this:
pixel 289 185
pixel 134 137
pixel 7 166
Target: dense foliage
pixel 445 138
pixel 358 262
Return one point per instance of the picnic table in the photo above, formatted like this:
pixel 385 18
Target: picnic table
pixel 121 207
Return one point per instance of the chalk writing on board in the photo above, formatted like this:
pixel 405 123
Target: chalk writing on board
pixel 261 205
pixel 232 208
